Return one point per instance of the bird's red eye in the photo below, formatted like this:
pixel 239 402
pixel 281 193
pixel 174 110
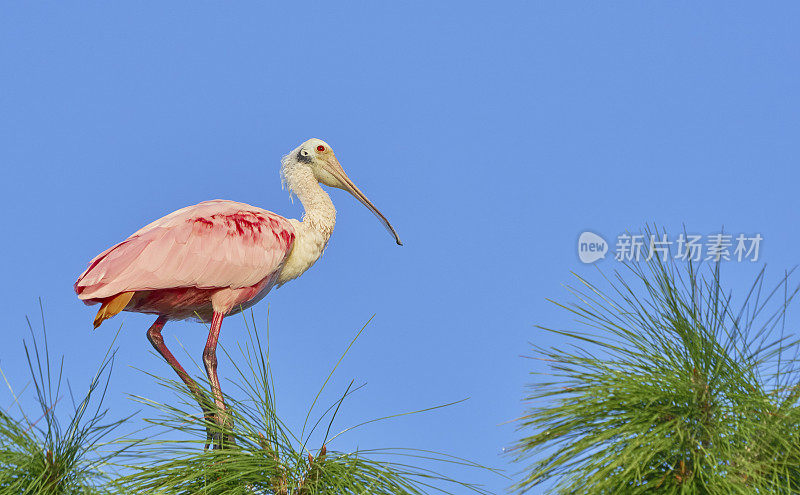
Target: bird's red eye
pixel 320 148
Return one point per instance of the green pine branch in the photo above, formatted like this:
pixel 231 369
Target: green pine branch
pixel 267 456
pixel 53 452
pixel 46 454
pixel 663 387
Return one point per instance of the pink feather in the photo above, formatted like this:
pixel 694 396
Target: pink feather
pixel 179 262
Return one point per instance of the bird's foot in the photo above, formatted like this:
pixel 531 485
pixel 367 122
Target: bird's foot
pixel 219 436
pixel 220 440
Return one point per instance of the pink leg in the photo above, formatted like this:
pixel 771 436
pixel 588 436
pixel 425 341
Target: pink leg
pixel 210 361
pixel 155 338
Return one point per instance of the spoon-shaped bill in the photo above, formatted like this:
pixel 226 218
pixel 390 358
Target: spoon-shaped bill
pixel 335 169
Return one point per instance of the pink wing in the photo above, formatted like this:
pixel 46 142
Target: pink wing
pixel 213 244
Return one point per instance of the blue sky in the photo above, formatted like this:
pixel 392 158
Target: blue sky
pixel 491 135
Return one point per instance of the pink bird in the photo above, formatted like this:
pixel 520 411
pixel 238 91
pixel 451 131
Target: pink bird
pixel 218 258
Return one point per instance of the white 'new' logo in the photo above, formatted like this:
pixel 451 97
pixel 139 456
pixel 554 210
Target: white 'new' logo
pixel 591 247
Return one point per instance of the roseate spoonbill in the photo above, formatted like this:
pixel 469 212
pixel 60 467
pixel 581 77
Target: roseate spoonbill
pixel 217 258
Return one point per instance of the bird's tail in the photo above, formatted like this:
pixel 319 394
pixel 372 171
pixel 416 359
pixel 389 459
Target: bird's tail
pixel 112 307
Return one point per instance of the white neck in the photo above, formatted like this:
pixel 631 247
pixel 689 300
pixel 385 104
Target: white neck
pixel 316 227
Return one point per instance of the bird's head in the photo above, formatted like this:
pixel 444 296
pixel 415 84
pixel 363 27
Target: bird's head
pixel 318 157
